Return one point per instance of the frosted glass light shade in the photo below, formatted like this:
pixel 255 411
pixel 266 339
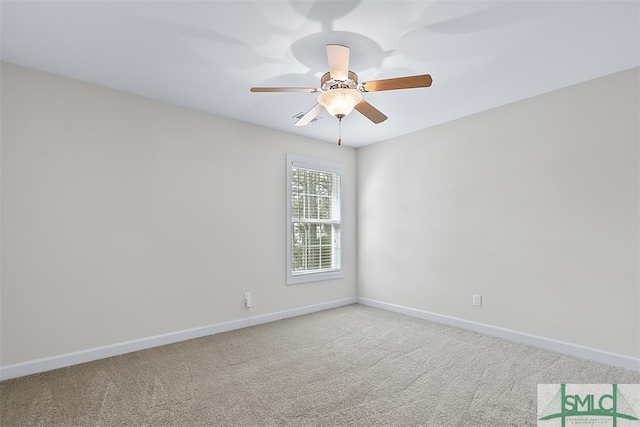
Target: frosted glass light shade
pixel 339 102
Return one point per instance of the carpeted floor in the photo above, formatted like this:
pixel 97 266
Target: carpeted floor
pixel 350 366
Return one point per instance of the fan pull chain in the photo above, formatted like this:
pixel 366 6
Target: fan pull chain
pixel 339 130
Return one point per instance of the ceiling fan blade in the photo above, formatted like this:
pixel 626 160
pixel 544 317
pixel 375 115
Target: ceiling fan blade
pixel 370 112
pixel 338 57
pixel 422 80
pixel 310 115
pixel 285 89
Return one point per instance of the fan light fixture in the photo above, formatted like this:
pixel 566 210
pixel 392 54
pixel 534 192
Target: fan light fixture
pixel 340 91
pixel 339 102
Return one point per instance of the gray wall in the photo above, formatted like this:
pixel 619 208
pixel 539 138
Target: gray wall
pixel 533 205
pixel 125 218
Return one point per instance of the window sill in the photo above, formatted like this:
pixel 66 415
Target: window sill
pixel 314 277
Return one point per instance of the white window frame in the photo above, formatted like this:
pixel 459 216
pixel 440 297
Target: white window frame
pixel 324 166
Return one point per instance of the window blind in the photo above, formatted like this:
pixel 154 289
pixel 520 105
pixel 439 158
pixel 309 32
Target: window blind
pixel 315 220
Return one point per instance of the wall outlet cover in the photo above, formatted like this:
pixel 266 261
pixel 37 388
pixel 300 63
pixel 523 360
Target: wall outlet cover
pixel 477 300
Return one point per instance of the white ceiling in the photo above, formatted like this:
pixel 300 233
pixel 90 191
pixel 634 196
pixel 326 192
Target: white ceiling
pixel 206 55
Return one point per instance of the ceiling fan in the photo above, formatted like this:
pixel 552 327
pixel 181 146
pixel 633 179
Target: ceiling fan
pixel 340 92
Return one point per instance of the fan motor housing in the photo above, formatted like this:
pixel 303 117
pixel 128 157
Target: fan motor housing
pixel 327 83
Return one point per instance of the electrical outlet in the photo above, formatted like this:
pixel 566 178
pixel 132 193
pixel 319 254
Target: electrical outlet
pixel 477 300
pixel 247 299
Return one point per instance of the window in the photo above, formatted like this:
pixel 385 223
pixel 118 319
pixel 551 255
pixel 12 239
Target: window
pixel 314 220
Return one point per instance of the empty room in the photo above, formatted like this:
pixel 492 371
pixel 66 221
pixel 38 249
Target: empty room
pixel 320 213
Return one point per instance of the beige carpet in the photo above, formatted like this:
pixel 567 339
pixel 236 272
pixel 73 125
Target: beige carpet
pixel 351 366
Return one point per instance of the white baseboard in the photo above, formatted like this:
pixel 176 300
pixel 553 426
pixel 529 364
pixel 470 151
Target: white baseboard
pixel 279 315
pixel 69 359
pixel 577 350
pixel 61 361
